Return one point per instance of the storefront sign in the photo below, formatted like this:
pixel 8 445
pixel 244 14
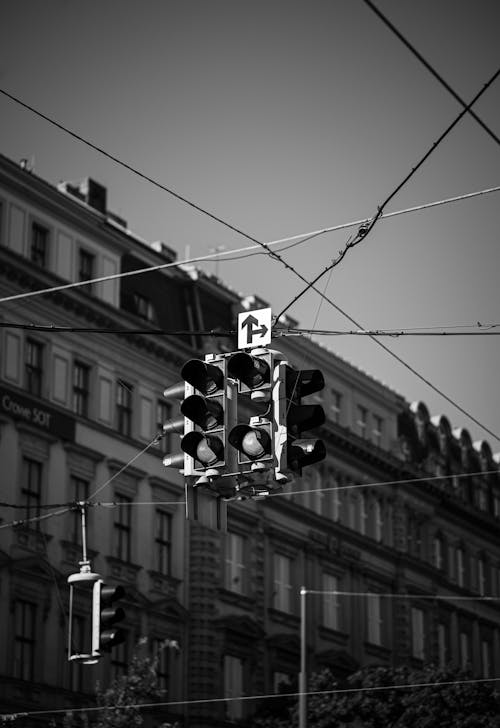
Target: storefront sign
pixel 28 410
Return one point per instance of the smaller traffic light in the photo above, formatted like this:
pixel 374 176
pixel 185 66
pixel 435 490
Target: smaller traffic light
pixel 299 417
pixel 105 615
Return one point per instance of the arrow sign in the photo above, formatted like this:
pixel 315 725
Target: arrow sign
pixel 254 328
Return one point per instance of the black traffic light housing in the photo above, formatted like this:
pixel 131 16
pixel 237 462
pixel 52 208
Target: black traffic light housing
pixel 105 615
pixel 301 452
pixel 208 409
pixel 254 439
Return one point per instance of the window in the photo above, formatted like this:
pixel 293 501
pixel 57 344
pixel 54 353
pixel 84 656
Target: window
pixel 378 430
pixel 233 686
pixel 31 489
pixel 143 307
pixel 39 244
pixel 282 583
pixel 335 405
pixel 162 653
pixel 363 513
pixel 24 639
pixel 352 512
pixel 496 506
pixel 362 420
pixel 163 542
pixel 486 657
pixel 464 650
pixel 33 367
pixel 481 576
pixel 81 377
pixel 451 561
pixel 163 415
pixel 331 610
pixel 336 501
pixel 417 633
pixel 122 528
pixel 79 493
pixel 374 615
pixel 437 552
pixel 124 408
pixel 281 682
pixel 460 567
pixel 442 634
pixel 378 521
pixel 482 499
pixel 86 266
pixel 234 574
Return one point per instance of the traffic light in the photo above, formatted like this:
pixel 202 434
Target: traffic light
pixel 208 411
pixel 253 440
pixel 105 615
pixel 299 417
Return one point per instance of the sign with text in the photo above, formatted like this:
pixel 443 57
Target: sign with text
pixel 32 412
pixel 254 328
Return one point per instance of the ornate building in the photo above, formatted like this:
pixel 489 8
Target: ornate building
pixel 402 508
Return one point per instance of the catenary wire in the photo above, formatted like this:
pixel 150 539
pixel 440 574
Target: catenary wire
pixel 74 505
pixel 485 330
pixel 264 696
pixel 364 231
pixel 299 239
pixel 430 68
pixel 392 333
pixel 394 595
pixel 154 441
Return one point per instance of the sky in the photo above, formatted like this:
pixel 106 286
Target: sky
pixel 283 117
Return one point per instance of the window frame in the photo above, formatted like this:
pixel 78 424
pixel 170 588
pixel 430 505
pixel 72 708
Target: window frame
pixel 25 644
pixel 39 244
pixel 163 543
pixel 86 266
pixel 282 582
pixel 81 388
pixel 32 496
pixel 234 563
pixel 122 529
pixel 34 354
pixel 124 407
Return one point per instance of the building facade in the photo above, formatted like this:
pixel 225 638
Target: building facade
pixel 402 508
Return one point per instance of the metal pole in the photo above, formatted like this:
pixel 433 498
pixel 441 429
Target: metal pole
pixel 302 674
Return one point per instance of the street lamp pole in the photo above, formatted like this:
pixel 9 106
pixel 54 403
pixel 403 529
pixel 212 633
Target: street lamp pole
pixel 302 674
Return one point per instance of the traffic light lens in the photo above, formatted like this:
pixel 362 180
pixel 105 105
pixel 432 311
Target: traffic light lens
pixel 254 444
pixel 251 370
pixel 209 451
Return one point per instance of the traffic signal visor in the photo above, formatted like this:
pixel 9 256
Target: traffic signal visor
pixel 105 615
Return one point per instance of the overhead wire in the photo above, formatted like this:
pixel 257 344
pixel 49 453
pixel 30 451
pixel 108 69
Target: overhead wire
pixel 395 595
pixel 76 505
pixel 365 230
pixel 256 249
pixel 265 696
pixel 430 68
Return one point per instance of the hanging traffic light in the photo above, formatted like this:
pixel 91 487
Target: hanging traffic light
pixel 301 452
pixel 253 440
pixel 105 615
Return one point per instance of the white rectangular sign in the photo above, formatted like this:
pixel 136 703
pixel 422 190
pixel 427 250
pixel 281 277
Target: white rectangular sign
pixel 254 328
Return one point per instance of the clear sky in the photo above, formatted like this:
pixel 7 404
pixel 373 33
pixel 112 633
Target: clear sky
pixel 283 117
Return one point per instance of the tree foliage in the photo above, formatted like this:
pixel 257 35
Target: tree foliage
pixel 121 701
pixel 385 697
